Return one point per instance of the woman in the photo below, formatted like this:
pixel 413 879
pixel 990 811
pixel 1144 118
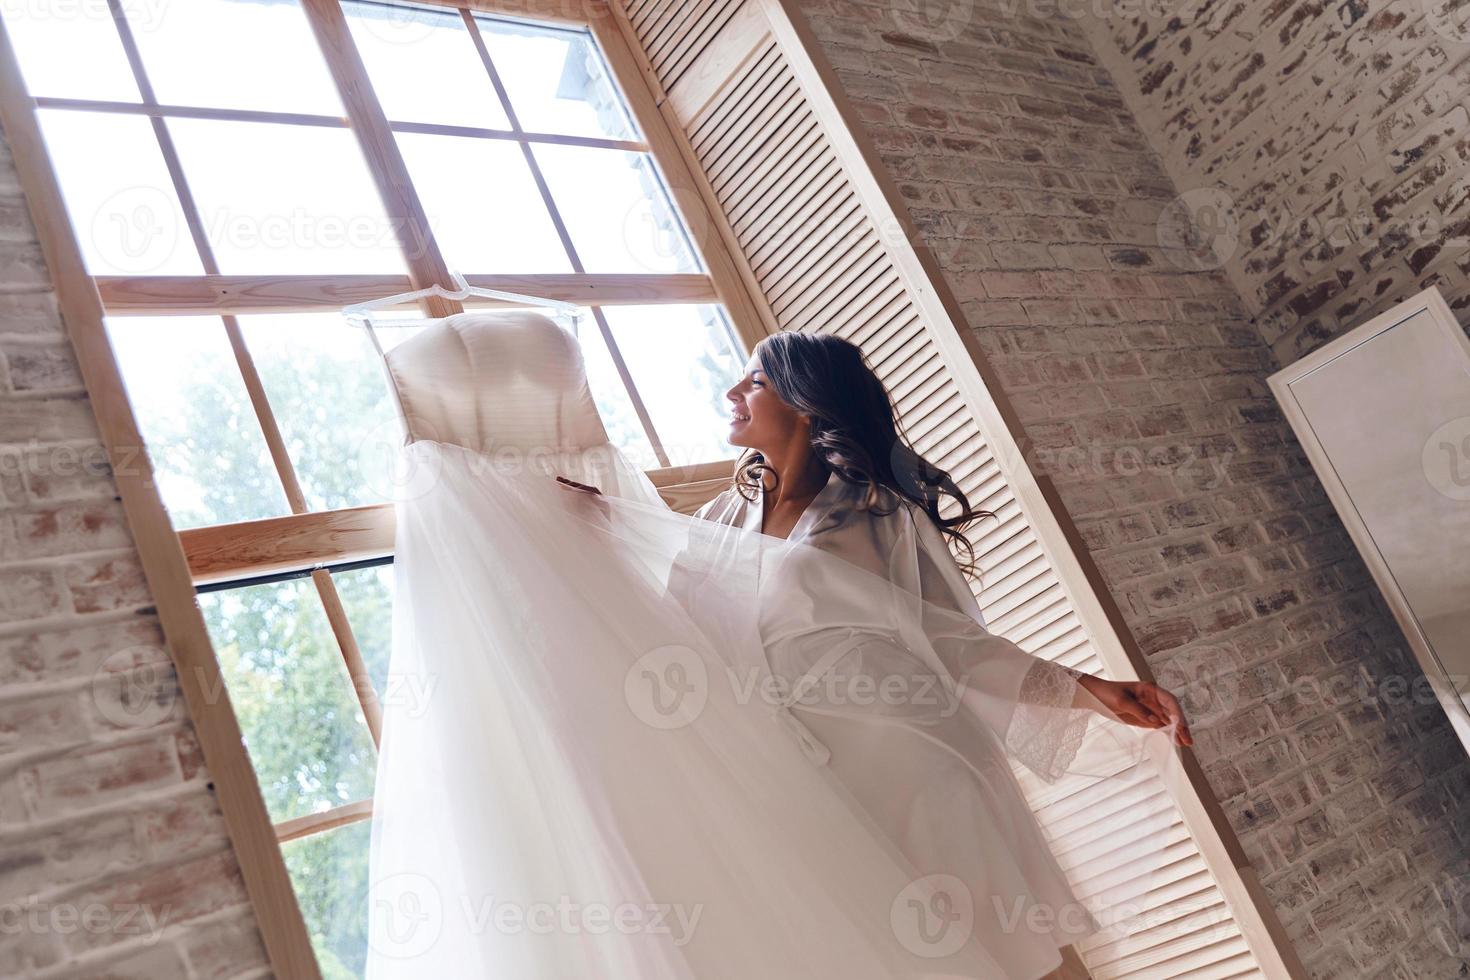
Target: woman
pixel 824 465
pixel 811 412
pixel 817 423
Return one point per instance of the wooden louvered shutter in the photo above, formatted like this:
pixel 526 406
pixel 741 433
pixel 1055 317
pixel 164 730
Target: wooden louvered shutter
pixel 740 82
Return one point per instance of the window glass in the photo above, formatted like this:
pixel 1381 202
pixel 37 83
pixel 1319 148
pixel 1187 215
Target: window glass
pixel 616 210
pixel 619 418
pixel 483 205
pixel 52 39
pixel 304 729
pixel 424 65
pixel 120 200
pixel 285 199
pixel 330 399
pixel 556 80
pixel 232 54
pixel 330 873
pixel 682 361
pixel 367 596
pixel 207 449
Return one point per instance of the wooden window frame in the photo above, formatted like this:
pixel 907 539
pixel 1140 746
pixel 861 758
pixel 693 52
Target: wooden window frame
pixel 307 542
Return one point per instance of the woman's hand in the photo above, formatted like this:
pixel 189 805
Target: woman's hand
pixel 1141 703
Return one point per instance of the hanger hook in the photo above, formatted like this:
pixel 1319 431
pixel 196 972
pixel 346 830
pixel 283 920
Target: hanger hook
pixel 460 283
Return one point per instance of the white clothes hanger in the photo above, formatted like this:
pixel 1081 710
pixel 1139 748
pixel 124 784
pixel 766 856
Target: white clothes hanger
pixel 462 291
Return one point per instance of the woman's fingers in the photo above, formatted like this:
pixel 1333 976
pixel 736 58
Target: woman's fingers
pixel 1138 716
pixel 1146 705
pixel 1165 707
pixel 1174 711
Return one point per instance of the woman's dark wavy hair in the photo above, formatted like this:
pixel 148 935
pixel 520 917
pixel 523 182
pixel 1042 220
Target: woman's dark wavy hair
pixel 855 431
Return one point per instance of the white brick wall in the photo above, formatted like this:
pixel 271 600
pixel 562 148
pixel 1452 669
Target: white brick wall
pixel 113 854
pixel 1339 135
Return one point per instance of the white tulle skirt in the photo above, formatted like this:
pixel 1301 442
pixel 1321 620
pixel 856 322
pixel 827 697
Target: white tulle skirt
pixel 601 762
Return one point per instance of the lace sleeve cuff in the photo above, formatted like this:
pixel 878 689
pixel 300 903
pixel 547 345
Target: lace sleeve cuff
pixel 1047 730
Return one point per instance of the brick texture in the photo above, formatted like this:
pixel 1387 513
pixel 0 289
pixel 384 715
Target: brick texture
pixel 1336 136
pixel 114 859
pixel 1139 374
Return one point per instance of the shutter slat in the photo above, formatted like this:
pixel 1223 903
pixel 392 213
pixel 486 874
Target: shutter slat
pixel 817 177
pixel 708 30
pixel 832 243
pixel 783 170
pixel 720 117
pixel 763 100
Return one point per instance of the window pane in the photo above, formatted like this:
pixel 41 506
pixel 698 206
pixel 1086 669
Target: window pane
pixel 329 396
pixel 556 80
pixel 367 595
pixel 302 724
pixel 624 430
pixel 682 361
pixel 424 66
pixel 279 199
pixel 330 873
pixel 483 205
pixel 198 424
pixel 616 210
pixel 53 41
pixel 126 214
pixel 232 54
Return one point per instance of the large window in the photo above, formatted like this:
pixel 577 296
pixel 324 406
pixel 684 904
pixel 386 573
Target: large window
pixel 233 183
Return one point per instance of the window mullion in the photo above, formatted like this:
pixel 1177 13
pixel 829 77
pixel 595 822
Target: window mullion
pixel 639 407
pixel 329 122
pixel 319 823
pixel 425 262
pixel 362 685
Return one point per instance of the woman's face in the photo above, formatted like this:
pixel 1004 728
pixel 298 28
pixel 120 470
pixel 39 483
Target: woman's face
pixel 759 418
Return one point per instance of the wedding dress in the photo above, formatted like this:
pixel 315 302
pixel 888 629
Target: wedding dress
pixel 644 745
